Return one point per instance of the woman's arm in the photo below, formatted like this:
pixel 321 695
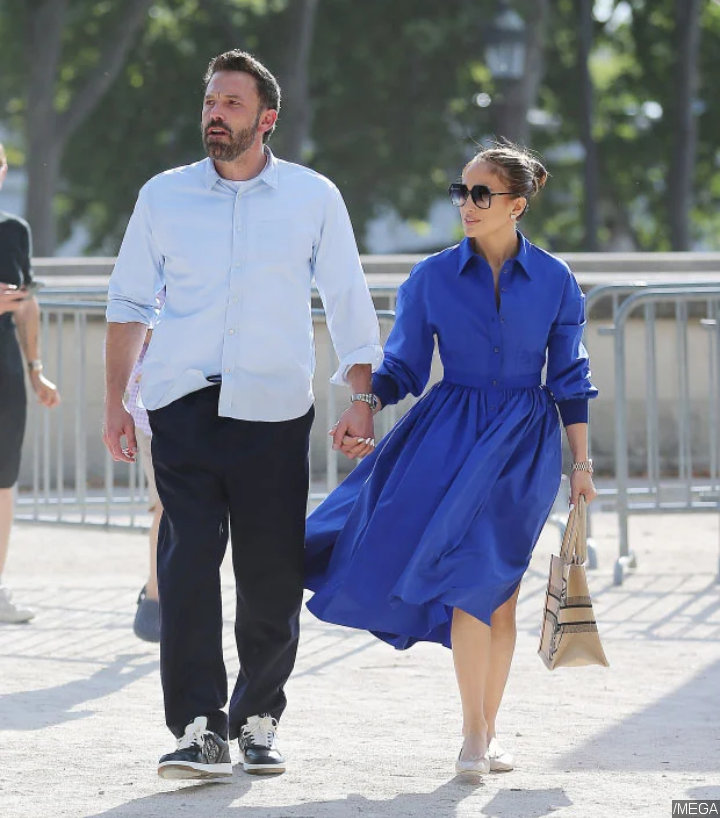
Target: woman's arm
pixel 27 322
pixel 581 481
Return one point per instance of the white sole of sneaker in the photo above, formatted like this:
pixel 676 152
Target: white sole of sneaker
pixel 264 769
pixel 189 769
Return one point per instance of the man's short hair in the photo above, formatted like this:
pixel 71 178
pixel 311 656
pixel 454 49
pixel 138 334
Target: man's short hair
pixel 267 86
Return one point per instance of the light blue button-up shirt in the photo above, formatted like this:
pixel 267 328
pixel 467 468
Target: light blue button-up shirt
pixel 237 260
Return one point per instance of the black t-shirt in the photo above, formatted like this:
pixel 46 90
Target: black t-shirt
pixel 15 255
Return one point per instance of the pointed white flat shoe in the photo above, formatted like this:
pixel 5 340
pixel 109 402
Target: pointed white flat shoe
pixel 500 760
pixel 472 766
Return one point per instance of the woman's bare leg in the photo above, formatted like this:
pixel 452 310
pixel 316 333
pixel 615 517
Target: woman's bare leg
pixel 503 634
pixel 6 518
pixel 151 587
pixel 471 654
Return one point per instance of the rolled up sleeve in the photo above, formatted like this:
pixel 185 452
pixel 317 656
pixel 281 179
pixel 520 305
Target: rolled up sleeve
pixel 138 272
pixel 568 365
pixel 340 280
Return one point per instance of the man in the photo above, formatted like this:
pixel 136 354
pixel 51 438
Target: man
pixel 236 240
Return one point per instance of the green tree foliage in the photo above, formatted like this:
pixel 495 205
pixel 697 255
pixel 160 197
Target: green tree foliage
pixel 392 104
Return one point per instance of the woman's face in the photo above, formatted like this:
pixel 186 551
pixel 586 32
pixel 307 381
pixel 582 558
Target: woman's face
pixel 480 223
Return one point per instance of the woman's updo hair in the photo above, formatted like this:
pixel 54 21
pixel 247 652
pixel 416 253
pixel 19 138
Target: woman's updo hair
pixel 521 171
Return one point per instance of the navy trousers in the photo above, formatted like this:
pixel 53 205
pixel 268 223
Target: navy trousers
pixel 216 474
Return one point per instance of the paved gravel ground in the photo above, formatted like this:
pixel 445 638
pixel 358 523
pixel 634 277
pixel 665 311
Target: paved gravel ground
pixel 369 731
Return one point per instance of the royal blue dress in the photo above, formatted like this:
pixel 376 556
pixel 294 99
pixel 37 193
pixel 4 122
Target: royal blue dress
pixel 446 511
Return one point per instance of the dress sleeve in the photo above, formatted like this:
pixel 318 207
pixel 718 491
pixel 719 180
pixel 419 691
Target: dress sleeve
pixel 409 349
pixel 568 365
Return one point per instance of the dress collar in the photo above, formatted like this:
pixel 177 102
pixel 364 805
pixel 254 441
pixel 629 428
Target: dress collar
pixel 466 252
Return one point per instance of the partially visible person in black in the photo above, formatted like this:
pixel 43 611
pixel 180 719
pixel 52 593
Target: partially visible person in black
pixel 19 320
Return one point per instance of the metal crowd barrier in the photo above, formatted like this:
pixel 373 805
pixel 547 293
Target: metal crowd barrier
pixel 661 489
pixel 62 493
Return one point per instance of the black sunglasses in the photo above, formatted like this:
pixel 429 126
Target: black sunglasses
pixel 480 194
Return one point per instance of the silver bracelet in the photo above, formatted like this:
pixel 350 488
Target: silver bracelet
pixel 583 465
pixel 365 397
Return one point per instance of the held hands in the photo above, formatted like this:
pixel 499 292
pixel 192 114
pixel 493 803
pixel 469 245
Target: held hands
pixel 46 391
pixel 581 483
pixel 119 423
pixel 353 434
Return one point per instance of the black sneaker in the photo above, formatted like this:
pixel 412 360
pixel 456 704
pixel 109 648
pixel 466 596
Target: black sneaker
pixel 200 754
pixel 257 744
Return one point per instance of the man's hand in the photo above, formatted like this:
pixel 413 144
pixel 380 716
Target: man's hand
pixel 119 423
pixel 45 390
pixel 12 298
pixel 353 434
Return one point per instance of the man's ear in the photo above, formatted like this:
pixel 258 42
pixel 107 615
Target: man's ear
pixel 267 120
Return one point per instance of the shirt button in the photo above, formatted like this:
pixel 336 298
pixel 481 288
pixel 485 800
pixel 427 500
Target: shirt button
pixel 227 371
pixel 231 332
pixel 235 299
pixel 502 320
pixel 496 349
pixel 494 383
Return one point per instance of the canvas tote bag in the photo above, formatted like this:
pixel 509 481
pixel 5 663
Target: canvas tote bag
pixel 569 635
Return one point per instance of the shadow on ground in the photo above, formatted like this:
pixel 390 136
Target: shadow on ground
pixel 225 799
pixel 48 706
pixel 679 731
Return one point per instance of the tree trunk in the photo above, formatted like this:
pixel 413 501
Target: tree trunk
pixel 682 160
pixel 587 94
pixel 47 130
pixel 295 119
pixel 44 34
pixel 520 96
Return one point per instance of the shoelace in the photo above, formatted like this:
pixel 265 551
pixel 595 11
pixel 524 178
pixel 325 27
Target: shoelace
pixel 260 731
pixel 194 734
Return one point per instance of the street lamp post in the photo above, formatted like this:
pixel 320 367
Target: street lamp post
pixel 506 53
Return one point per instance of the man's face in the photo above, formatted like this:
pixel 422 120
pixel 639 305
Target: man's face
pixel 231 115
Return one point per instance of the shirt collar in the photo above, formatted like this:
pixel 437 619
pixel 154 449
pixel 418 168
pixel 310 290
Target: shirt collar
pixel 269 174
pixel 522 257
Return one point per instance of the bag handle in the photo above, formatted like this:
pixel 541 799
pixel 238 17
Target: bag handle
pixel 574 544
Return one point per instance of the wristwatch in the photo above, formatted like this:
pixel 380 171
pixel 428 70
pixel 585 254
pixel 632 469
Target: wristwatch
pixel 583 465
pixel 35 366
pixel 365 397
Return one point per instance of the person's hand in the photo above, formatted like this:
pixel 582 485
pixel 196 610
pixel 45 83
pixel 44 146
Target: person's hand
pixel 12 298
pixel 581 482
pixel 353 434
pixel 45 390
pixel 119 423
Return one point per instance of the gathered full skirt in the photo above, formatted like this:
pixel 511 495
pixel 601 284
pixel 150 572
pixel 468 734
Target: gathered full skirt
pixel 444 514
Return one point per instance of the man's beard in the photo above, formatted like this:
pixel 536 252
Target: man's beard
pixel 239 142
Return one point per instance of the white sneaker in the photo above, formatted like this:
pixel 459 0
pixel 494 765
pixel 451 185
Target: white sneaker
pixel 500 760
pixel 259 749
pixel 9 611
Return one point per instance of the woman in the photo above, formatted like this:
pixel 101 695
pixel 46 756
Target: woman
pixel 146 625
pixel 18 303
pixel 429 537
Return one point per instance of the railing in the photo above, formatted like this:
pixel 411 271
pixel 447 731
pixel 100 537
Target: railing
pixel 73 479
pixel 685 488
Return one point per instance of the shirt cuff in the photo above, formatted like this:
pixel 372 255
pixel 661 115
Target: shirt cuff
pixel 371 355
pixel 574 410
pixel 126 312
